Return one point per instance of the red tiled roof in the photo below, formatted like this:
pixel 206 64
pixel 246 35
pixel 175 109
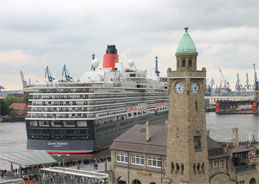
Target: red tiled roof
pixel 19 106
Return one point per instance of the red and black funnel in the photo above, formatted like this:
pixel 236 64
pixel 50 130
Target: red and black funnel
pixel 111 57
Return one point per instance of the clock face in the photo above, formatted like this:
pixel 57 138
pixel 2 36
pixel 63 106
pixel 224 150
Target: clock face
pixel 195 88
pixel 179 88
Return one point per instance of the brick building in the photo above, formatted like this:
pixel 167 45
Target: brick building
pixel 180 151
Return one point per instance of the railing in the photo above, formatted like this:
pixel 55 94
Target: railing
pixel 245 168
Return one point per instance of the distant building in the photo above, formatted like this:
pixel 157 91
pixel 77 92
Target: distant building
pixel 19 108
pixel 180 152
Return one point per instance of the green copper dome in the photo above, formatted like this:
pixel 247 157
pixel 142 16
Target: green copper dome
pixel 186 45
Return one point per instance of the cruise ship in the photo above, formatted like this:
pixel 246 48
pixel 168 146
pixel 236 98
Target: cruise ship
pixel 86 115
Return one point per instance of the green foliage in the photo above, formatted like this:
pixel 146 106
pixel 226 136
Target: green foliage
pixel 257 151
pixel 4 110
pixel 12 113
pixel 7 101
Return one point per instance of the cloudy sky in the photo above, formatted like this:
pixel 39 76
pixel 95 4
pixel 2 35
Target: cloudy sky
pixel 39 33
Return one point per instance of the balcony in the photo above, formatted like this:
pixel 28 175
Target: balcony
pixel 246 168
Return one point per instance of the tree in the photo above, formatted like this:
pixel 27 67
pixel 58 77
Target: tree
pixel 7 101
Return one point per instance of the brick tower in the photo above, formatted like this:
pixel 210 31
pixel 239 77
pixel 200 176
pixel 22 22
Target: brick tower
pixel 187 152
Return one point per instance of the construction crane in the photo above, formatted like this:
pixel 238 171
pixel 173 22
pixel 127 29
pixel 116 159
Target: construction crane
pixel 48 74
pixel 24 82
pixel 156 67
pixel 65 73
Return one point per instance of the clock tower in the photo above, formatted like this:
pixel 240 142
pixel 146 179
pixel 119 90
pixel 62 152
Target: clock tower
pixel 187 152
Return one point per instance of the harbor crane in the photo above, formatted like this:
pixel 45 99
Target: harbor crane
pixel 247 84
pixel 48 74
pixel 256 84
pixel 210 86
pixel 255 74
pixel 65 73
pixel 156 67
pixel 24 82
pixel 225 83
pixel 238 84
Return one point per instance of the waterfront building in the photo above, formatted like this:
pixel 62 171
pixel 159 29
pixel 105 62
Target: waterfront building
pixel 20 109
pixel 180 151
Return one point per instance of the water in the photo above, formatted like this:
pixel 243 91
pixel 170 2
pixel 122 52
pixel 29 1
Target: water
pixel 13 135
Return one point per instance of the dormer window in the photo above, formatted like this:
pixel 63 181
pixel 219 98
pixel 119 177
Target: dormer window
pixel 183 63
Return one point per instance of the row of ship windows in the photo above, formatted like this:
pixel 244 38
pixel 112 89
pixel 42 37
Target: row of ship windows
pixel 75 90
pixel 105 128
pixel 104 100
pixel 59 132
pixel 119 95
pixel 61 115
pixel 78 109
pixel 58 123
pixel 60 137
pixel 99 115
pixel 108 102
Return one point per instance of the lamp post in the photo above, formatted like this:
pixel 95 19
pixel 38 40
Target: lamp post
pixel 63 165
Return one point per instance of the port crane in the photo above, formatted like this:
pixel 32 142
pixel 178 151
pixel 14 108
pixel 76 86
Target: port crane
pixel 225 83
pixel 256 84
pixel 238 84
pixel 48 74
pixel 210 86
pixel 65 73
pixel 24 82
pixel 247 84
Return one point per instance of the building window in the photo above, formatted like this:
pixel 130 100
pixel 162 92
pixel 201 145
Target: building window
pixel 121 157
pixel 136 182
pixel 215 164
pixel 210 165
pixel 177 132
pixel 196 106
pixel 69 124
pixel 197 143
pixel 183 63
pixel 154 162
pixel 190 63
pixel 137 159
pixel 222 163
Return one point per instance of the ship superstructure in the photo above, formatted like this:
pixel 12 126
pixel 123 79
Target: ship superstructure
pixel 86 115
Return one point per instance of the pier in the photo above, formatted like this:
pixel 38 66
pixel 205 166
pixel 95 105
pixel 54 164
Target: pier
pixel 73 176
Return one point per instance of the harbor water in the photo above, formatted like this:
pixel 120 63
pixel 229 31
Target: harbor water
pixel 13 135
